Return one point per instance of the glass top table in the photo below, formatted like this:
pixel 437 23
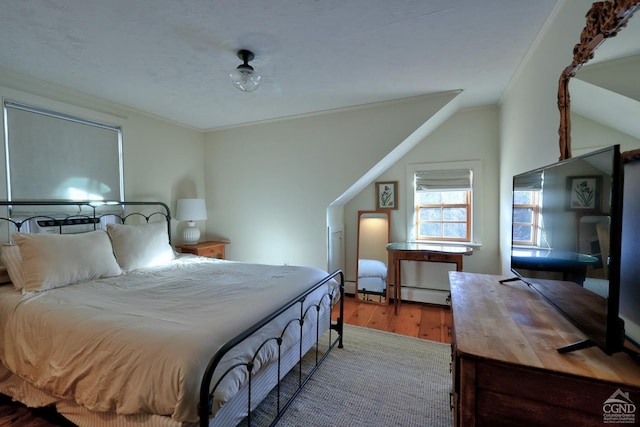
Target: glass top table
pixel 427 247
pixel 417 251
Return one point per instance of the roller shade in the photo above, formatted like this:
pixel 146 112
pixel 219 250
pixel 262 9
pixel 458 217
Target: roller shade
pixel 55 156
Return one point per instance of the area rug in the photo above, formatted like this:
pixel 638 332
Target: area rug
pixel 377 379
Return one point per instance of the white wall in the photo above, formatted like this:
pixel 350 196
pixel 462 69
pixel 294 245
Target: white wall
pixel 470 134
pixel 162 161
pixel 269 185
pixel 529 116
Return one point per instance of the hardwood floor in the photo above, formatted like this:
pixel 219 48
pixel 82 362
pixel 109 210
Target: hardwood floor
pixel 432 322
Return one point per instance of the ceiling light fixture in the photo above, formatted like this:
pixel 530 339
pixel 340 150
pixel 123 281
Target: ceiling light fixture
pixel 244 76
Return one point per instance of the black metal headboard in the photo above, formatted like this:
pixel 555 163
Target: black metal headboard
pixel 88 213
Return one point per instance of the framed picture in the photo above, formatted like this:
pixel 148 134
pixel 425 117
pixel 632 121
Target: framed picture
pixel 387 195
pixel 583 193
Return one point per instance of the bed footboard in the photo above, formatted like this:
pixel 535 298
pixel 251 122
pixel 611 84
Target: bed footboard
pixel 207 389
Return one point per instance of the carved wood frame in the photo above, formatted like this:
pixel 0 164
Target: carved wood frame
pixel 604 20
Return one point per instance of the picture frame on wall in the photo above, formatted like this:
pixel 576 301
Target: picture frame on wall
pixel 583 193
pixel 387 195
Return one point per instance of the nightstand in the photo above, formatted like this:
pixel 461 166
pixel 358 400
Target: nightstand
pixel 4 276
pixel 212 249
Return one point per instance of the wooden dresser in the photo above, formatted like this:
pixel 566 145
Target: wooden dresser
pixel 506 370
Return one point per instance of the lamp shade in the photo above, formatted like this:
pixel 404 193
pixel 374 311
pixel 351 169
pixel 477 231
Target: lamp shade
pixel 191 210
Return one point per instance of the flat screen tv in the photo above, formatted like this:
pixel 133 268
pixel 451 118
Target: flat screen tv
pixel 566 242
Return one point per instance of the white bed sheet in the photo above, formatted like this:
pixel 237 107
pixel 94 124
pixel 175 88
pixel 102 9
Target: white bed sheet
pixel 140 342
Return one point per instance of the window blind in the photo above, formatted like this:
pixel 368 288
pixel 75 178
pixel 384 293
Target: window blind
pixel 529 182
pixel 441 180
pixel 54 156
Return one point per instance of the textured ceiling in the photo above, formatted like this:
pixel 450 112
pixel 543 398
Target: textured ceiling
pixel 172 58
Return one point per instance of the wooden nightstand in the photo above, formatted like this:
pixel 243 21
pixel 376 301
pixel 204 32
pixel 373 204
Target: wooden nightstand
pixel 4 276
pixel 212 249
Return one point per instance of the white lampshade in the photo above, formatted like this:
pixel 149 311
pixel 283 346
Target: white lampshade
pixel 191 210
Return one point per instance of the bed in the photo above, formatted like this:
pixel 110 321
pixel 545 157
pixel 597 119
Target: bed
pixel 113 328
pixel 372 277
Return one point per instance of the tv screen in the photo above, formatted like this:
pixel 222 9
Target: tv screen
pixel 566 241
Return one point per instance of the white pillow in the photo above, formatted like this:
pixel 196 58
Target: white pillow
pixel 140 246
pixel 55 260
pixel 12 260
pixel 371 268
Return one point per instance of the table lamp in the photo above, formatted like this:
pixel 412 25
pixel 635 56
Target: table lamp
pixel 191 210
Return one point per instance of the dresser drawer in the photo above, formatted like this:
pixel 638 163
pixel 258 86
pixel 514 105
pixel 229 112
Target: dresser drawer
pixel 212 252
pixel 211 249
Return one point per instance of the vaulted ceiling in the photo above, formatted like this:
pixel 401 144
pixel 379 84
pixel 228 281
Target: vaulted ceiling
pixel 172 58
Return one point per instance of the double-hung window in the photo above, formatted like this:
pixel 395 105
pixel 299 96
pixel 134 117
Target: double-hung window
pixel 443 205
pixel 526 210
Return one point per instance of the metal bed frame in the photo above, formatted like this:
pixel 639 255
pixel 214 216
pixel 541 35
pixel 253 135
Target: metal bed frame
pixel 91 216
pixel 88 212
pixel 206 392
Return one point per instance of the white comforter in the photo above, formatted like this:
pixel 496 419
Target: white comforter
pixel 372 268
pixel 140 342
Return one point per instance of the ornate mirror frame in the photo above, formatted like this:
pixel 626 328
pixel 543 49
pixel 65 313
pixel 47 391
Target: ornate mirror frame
pixel 604 20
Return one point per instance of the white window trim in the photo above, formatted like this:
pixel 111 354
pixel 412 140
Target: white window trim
pixel 476 197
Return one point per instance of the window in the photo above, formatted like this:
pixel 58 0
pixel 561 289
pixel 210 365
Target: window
pixel 526 209
pixel 443 205
pixel 527 200
pixel 56 156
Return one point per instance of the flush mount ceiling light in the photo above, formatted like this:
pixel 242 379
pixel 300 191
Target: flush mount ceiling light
pixel 244 77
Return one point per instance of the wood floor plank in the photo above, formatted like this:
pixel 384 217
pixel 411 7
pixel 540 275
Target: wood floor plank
pixel 361 315
pixel 408 319
pixel 431 327
pixel 447 326
pixel 380 318
pixel 426 321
